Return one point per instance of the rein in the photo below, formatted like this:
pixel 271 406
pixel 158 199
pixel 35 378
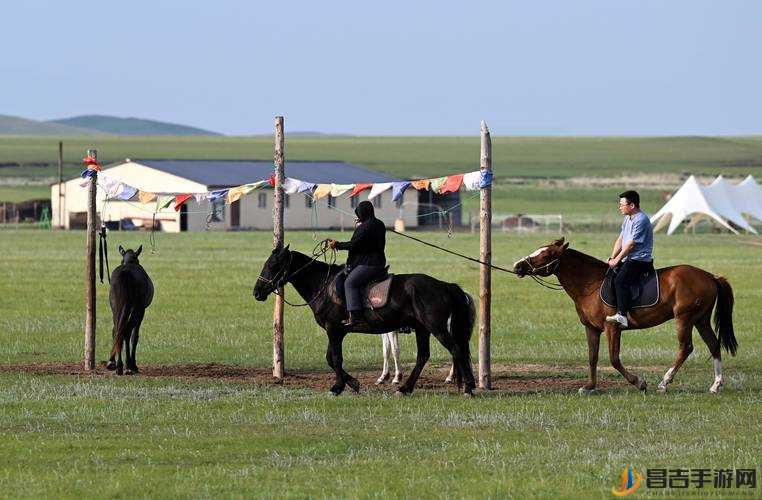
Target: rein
pixel 320 250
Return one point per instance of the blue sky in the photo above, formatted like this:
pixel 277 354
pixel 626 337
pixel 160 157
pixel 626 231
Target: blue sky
pixel 389 68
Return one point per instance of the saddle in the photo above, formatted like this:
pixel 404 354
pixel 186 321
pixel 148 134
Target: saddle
pixel 376 293
pixel 644 294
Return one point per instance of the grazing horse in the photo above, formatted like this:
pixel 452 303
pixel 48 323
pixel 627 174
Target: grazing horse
pixel 688 295
pixel 130 294
pixel 390 346
pixel 425 304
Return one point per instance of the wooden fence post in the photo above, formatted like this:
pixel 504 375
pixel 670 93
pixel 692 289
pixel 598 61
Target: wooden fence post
pixel 90 270
pixel 485 255
pixel 278 368
pixel 60 185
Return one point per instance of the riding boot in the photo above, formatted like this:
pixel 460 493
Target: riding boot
pixel 356 318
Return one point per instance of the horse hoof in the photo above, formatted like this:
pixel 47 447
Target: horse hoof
pixel 400 394
pixel 448 380
pixel 380 381
pixel 111 366
pixel 584 391
pixel 642 384
pixel 716 388
pixel 333 394
pixel 468 395
pixel 130 371
pixel 354 385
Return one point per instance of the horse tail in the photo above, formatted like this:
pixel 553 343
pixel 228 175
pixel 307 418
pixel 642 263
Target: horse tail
pixel 460 324
pixel 723 315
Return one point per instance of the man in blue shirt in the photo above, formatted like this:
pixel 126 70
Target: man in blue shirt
pixel 632 255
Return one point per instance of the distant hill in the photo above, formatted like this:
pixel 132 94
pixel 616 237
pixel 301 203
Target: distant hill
pixel 129 126
pixel 14 125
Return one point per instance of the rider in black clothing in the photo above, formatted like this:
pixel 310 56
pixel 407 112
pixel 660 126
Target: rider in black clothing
pixel 365 261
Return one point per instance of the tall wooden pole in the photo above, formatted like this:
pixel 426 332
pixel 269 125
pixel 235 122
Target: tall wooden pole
pixel 485 255
pixel 60 184
pixel 278 243
pixel 90 270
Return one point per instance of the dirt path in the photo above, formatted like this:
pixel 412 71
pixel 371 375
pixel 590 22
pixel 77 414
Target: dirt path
pixel 510 378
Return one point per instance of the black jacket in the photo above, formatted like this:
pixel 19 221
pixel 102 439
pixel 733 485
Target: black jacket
pixel 368 241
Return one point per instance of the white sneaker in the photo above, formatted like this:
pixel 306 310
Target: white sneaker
pixel 617 318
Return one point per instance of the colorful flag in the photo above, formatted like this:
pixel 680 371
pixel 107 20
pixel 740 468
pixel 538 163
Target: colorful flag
pixel 146 197
pixel 452 184
pixel 248 188
pixel 472 180
pixel 164 201
pixel 398 189
pixel 486 178
pixel 291 186
pixel 339 189
pixel 322 191
pixel 126 192
pixel 359 188
pixel 379 188
pixel 234 194
pixel 180 199
pixel 220 193
pixel 421 184
pixel 436 184
pixel 305 186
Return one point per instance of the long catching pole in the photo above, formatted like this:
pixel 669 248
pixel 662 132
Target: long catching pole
pixel 60 185
pixel 278 243
pixel 90 270
pixel 485 255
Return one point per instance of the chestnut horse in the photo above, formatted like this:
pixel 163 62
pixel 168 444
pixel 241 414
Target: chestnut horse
pixel 688 295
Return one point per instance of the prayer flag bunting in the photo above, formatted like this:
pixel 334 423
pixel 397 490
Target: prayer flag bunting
pixel 180 199
pixel 421 184
pixel 398 189
pixel 452 184
pixel 359 188
pixel 322 191
pixel 436 184
pixel 146 197
pixel 379 188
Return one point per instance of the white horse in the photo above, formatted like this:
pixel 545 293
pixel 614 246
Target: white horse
pixel 391 349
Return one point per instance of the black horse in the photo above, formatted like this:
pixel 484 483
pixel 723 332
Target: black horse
pixel 130 294
pixel 417 301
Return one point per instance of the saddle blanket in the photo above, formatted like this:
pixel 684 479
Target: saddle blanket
pixel 644 294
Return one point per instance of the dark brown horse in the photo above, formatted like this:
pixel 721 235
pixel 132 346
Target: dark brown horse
pixel 130 294
pixel 417 301
pixel 688 295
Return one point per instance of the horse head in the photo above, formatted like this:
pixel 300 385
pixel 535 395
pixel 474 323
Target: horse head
pixel 130 256
pixel 543 261
pixel 274 273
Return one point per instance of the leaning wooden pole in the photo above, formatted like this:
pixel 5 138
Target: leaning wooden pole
pixel 485 255
pixel 278 243
pixel 90 269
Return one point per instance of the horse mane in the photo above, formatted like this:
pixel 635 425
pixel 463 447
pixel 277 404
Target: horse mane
pixel 335 268
pixel 585 258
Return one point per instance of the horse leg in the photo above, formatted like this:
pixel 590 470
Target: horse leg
pixel 685 348
pixel 385 349
pixel 111 364
pixel 335 340
pixel 422 338
pixel 394 340
pixel 132 363
pixel 593 346
pixel 451 374
pixel 704 327
pixel 613 335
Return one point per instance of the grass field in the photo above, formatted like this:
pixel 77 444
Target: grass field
pixel 103 436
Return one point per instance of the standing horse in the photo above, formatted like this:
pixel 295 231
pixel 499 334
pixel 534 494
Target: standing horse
pixel 688 295
pixel 390 346
pixel 130 294
pixel 418 301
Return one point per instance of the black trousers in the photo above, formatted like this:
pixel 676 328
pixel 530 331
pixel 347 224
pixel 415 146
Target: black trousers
pixel 628 274
pixel 350 285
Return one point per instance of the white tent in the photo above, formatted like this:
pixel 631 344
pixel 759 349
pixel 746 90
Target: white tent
pixel 698 202
pixel 726 201
pixel 749 197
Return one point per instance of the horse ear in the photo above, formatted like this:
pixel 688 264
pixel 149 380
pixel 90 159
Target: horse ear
pixel 559 242
pixel 121 250
pixel 140 249
pixel 566 245
pixel 287 246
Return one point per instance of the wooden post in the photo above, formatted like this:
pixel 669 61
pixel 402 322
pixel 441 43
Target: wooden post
pixel 278 243
pixel 485 255
pixel 90 270
pixel 60 184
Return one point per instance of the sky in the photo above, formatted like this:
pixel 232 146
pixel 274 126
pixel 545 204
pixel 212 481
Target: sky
pixel 391 68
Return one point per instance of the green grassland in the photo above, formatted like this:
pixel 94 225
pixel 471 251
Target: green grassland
pixel 75 436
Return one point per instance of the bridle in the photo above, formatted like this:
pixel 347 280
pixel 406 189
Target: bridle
pixel 539 279
pixel 283 276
